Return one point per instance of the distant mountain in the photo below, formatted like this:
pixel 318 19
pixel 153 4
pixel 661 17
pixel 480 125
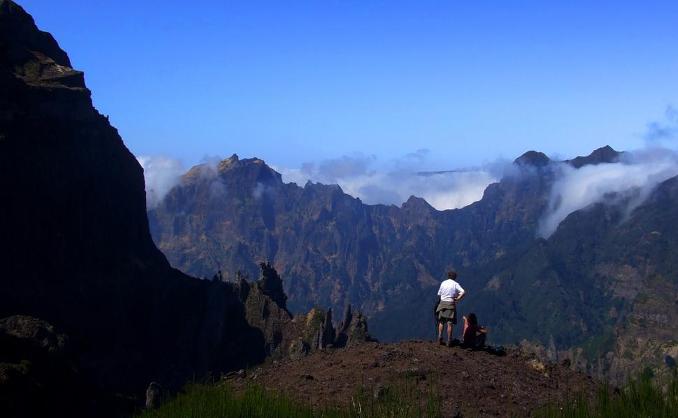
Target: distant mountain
pixel 334 250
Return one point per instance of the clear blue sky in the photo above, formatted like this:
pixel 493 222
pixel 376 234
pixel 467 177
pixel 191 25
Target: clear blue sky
pixel 295 81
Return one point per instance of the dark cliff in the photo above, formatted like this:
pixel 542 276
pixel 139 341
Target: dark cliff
pixel 75 248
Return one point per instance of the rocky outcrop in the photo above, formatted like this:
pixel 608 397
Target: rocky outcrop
pixel 265 309
pixel 288 336
pixel 353 329
pixel 38 375
pixel 316 331
pixel 271 285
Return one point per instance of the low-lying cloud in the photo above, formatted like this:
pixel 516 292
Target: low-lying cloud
pixel 393 182
pixel 632 179
pixel 628 182
pixel 161 174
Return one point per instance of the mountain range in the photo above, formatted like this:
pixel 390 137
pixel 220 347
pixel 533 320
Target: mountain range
pixel 92 311
pixel 588 292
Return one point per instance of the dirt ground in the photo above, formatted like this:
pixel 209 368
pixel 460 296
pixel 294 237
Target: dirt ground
pixel 473 383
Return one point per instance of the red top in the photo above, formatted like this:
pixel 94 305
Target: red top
pixel 471 334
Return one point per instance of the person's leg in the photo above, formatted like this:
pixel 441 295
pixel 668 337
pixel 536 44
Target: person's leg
pixel 449 332
pixel 440 331
pixel 481 340
pixel 463 332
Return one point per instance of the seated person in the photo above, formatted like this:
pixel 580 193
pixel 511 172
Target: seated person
pixel 474 335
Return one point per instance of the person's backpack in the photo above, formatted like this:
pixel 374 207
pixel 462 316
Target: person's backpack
pixel 496 350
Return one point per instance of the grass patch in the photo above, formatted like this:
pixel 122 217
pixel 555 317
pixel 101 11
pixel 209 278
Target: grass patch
pixel 219 400
pixel 642 397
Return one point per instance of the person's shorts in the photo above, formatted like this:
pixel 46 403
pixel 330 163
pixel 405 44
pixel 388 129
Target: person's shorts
pixel 447 316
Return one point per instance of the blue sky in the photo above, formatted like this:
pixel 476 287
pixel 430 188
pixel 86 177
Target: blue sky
pixel 293 81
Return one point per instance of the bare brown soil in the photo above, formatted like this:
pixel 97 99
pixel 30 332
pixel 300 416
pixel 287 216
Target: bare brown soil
pixel 472 383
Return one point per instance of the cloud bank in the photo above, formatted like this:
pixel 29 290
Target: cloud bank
pixel 161 174
pixel 634 178
pixel 630 181
pixel 393 182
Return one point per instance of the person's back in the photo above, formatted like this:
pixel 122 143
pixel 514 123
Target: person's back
pixel 449 290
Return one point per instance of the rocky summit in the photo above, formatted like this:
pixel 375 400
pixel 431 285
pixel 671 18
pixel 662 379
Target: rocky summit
pixel 586 292
pixel 469 383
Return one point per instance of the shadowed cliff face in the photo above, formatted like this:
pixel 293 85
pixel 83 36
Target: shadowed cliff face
pixel 75 248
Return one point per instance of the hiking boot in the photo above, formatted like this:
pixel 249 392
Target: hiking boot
pixel 454 343
pixel 440 341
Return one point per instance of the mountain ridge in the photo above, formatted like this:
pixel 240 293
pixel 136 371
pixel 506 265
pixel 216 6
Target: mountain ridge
pixel 387 260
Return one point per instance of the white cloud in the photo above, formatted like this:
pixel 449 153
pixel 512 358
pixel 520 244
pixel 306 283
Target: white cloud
pixel 635 177
pixel 161 174
pixel 394 182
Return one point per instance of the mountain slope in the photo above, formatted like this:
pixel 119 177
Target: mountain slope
pixel 333 250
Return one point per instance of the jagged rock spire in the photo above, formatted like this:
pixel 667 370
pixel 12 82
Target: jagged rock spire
pixel 271 284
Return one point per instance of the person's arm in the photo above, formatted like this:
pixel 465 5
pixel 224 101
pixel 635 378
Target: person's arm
pixel 461 294
pixel 465 326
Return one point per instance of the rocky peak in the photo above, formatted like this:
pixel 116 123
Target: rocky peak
pixel 38 333
pixel 417 204
pixel 228 162
pixel 605 154
pixel 249 171
pixel 271 285
pixel 353 329
pixel 32 55
pixel 532 159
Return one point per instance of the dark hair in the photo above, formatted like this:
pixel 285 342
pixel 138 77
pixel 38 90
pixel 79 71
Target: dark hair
pixel 472 319
pixel 452 274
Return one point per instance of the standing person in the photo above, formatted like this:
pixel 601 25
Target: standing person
pixel 449 294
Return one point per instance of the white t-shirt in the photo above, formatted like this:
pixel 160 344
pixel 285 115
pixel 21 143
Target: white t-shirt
pixel 449 289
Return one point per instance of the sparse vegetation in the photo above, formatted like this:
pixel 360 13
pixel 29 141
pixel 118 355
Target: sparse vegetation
pixel 642 397
pixel 219 400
